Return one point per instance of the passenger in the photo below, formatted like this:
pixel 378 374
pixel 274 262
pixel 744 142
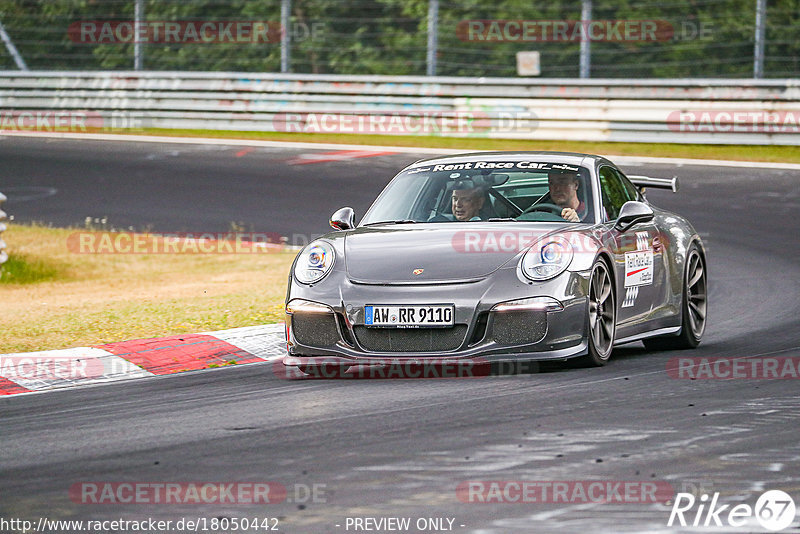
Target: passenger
pixel 467 201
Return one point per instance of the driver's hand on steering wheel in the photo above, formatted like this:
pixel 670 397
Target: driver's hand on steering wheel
pixel 570 215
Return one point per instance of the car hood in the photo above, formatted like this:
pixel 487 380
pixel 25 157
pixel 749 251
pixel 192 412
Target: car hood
pixel 443 252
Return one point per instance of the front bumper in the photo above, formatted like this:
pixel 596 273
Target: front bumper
pixel 331 330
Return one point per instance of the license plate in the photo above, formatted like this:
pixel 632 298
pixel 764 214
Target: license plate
pixel 409 316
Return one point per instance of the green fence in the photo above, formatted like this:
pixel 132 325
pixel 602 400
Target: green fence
pixel 621 39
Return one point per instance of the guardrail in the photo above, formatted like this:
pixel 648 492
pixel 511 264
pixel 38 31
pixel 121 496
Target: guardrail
pixel 671 111
pixel 3 254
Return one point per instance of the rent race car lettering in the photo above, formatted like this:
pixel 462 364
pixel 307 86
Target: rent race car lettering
pixel 503 165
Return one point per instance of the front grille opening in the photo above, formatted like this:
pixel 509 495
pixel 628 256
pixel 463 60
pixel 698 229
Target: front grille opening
pixel 519 328
pixel 315 329
pixel 480 328
pixel 411 339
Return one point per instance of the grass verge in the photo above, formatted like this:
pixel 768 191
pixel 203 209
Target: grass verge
pixel 53 298
pixel 782 154
pixel 23 269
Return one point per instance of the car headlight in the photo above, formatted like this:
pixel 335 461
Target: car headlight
pixel 314 262
pixel 547 258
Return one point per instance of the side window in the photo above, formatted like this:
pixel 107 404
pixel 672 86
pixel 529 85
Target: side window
pixel 633 191
pixel 614 191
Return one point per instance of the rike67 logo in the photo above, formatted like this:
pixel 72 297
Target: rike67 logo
pixel 774 511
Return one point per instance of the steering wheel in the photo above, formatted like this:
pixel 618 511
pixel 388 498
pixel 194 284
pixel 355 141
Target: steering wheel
pixel 545 206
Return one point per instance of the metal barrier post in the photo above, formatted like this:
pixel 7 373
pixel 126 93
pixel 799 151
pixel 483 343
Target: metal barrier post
pixel 286 36
pixel 3 255
pixel 433 36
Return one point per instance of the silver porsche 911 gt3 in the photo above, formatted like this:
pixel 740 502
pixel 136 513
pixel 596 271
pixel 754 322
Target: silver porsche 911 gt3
pixel 499 256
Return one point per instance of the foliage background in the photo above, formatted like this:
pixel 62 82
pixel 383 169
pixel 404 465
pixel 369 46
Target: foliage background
pixel 390 37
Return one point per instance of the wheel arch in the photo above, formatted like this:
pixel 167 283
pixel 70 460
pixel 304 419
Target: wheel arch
pixel 605 257
pixel 701 248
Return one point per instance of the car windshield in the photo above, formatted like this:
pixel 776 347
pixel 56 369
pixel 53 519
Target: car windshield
pixel 485 191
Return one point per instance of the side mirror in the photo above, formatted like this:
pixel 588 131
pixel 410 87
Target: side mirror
pixel 343 219
pixel 633 212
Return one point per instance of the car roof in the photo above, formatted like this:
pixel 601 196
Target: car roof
pixel 574 158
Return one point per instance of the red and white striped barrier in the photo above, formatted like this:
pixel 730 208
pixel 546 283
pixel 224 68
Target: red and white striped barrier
pixel 27 372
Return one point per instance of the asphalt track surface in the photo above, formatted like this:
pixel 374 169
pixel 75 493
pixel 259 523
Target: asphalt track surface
pixel 399 448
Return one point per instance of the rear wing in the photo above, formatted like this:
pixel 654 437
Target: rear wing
pixel 658 183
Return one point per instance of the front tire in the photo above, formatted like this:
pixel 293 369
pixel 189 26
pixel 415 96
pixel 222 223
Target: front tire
pixel 694 307
pixel 602 317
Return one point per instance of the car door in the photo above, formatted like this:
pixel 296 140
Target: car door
pixel 639 274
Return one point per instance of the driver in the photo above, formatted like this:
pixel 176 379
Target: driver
pixel 564 193
pixel 467 201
